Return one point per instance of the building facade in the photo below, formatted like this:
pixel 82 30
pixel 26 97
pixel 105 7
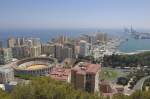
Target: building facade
pixel 48 49
pixel 84 48
pixel 63 51
pixel 67 53
pixel 35 51
pixel 58 51
pixel 5 55
pixel 101 37
pixel 20 52
pixel 11 42
pixel 85 76
pixel 20 41
pixel 6 75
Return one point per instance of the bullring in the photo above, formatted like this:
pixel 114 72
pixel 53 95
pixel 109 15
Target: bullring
pixel 36 66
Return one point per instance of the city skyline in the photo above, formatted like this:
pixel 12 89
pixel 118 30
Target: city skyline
pixel 30 14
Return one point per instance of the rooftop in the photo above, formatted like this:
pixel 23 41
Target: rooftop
pixel 60 73
pixel 83 68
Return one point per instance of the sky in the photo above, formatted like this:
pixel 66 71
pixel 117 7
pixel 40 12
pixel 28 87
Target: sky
pixel 47 14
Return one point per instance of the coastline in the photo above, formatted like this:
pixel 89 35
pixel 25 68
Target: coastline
pixel 136 51
pixel 132 53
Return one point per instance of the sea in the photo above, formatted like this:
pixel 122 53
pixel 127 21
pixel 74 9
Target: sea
pixel 131 45
pixel 134 45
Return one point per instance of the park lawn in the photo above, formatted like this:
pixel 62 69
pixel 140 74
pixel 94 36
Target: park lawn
pixel 108 74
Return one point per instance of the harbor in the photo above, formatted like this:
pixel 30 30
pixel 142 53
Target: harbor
pixel 134 46
pixel 122 46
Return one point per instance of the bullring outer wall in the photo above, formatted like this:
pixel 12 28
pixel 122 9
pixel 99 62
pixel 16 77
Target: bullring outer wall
pixel 49 62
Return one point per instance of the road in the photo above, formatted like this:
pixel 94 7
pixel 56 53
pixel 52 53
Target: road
pixel 139 84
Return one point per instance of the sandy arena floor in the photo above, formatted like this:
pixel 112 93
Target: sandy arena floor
pixel 35 67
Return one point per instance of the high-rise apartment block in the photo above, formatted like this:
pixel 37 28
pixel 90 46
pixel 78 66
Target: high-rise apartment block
pixel 20 52
pixel 6 75
pixel 72 46
pixel 36 41
pixel 88 38
pixel 58 51
pixel 85 76
pixel 20 41
pixel 11 42
pixel 67 52
pixel 84 48
pixel 35 51
pixel 48 49
pixel 63 51
pixel 101 37
pixel 5 55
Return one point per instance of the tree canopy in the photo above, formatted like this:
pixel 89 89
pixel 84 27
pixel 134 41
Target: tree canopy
pixel 47 88
pixel 134 60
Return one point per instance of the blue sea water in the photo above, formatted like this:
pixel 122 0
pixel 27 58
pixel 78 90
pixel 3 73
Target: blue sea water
pixel 133 45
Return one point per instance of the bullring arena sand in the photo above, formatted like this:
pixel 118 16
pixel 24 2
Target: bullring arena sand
pixel 35 67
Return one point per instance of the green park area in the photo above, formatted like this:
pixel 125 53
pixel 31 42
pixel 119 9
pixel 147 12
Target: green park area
pixel 108 74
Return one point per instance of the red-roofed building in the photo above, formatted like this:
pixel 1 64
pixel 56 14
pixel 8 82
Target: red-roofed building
pixel 85 76
pixel 105 87
pixel 61 74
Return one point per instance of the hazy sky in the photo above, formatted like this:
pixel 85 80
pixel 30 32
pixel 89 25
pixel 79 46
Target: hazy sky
pixel 74 13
